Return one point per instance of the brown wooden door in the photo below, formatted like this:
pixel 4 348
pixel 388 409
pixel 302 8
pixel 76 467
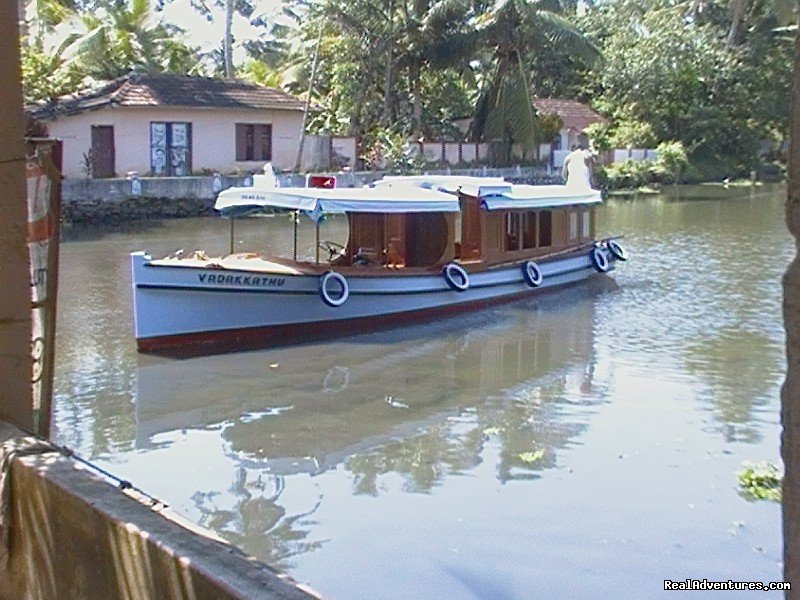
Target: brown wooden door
pixel 103 163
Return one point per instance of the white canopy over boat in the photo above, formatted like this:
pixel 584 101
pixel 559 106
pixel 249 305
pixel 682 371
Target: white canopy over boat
pixel 540 196
pixel 317 201
pixel 404 194
pixel 498 194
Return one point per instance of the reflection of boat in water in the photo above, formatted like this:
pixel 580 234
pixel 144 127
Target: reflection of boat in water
pixel 309 408
pixel 418 247
pixel 421 404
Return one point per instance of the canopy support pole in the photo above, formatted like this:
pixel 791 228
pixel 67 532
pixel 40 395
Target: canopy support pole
pixel 232 236
pixel 317 242
pixel 295 218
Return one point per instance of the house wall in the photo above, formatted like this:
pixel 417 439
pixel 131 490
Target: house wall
pixel 213 137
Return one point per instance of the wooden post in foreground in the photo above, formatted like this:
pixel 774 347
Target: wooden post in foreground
pixel 15 295
pixel 790 393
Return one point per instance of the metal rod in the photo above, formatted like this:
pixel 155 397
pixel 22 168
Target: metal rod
pixel 295 218
pixel 231 235
pixel 317 242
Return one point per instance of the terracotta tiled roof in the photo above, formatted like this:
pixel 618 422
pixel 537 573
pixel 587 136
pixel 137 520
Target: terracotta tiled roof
pixel 170 90
pixel 573 114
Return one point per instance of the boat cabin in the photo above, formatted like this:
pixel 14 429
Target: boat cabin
pixel 426 222
pixel 472 236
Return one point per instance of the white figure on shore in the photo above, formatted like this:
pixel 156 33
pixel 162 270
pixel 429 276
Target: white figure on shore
pixel 270 178
pixel 577 169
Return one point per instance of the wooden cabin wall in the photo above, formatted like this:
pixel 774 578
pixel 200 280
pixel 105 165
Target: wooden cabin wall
pixel 395 237
pixel 450 251
pixel 472 232
pixel 416 240
pixel 428 238
pixel 366 231
pixel 494 238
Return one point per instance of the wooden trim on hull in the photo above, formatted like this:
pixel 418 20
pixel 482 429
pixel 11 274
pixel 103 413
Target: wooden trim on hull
pixel 187 345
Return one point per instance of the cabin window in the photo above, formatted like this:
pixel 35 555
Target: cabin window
pixel 529 230
pixel 573 225
pixel 253 141
pixel 545 228
pixel 513 228
pixel 171 148
pixel 586 223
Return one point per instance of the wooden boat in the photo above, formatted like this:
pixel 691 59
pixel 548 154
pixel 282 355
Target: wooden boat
pixel 419 247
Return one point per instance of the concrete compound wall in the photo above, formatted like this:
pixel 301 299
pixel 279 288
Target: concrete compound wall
pixel 65 533
pixel 99 200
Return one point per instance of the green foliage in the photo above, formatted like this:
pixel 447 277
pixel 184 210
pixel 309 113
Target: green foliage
pixel 548 127
pixel 680 71
pixel 129 36
pixel 693 73
pixel 531 457
pixel 108 39
pixel 670 162
pixel 45 76
pixel 760 481
pixel 519 33
pixel 626 175
pixel 259 72
pixel 668 167
pixel 388 150
pixel 631 133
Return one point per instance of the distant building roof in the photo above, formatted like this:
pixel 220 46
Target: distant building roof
pixel 136 89
pixel 574 114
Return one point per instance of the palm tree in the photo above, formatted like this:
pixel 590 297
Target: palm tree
pixel 130 36
pixel 436 34
pixel 519 29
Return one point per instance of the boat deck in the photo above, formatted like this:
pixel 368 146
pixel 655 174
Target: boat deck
pixel 235 262
pixel 256 263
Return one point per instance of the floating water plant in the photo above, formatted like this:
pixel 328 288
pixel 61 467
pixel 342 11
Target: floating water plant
pixel 531 457
pixel 761 481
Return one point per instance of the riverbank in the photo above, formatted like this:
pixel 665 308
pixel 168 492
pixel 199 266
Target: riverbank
pixel 713 189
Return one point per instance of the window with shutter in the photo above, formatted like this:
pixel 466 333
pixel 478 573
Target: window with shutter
pixel 253 142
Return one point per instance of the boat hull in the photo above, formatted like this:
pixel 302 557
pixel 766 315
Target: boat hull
pixel 189 310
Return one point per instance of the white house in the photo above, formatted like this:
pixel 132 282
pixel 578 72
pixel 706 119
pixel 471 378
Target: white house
pixel 172 125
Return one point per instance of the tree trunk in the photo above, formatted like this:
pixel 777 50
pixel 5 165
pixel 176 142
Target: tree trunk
pixel 738 11
pixel 228 43
pixel 387 118
pixel 790 393
pixel 416 99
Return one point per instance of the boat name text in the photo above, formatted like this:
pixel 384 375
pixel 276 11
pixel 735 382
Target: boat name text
pixel 252 280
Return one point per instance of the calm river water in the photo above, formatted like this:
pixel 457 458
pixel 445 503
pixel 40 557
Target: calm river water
pixel 580 445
